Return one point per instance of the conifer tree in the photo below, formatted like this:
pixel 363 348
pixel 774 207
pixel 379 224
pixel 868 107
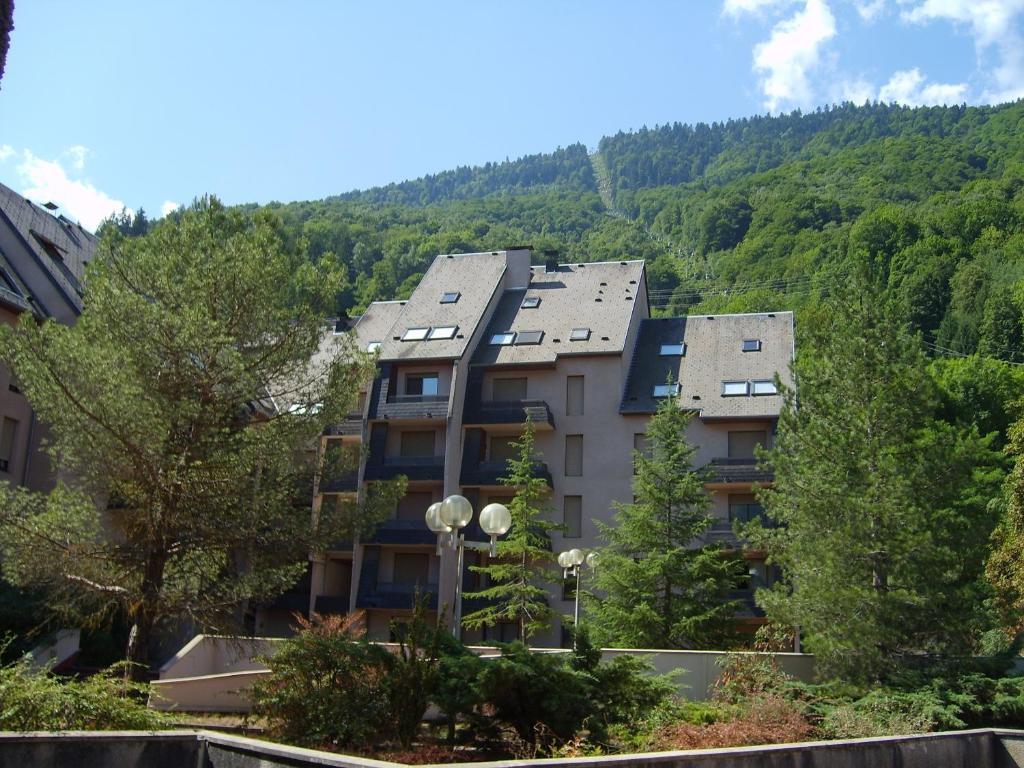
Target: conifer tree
pixel 516 575
pixel 656 585
pixel 882 508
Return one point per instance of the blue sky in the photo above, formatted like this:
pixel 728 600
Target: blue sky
pixel 108 104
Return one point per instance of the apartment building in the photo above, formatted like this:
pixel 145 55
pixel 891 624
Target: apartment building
pixel 487 339
pixel 42 262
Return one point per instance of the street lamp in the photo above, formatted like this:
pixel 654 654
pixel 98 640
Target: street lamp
pixel 447 518
pixel 572 563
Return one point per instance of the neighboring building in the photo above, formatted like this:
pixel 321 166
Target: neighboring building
pixel 42 262
pixel 484 340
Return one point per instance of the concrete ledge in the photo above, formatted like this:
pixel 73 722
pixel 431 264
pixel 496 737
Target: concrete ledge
pixel 983 748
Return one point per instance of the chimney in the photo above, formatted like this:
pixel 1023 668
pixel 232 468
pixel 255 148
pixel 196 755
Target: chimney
pixel 550 261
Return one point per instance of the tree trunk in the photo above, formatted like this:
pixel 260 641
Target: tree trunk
pixel 144 616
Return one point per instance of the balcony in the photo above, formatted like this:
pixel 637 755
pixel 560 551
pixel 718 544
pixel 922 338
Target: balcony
pixel 351 425
pixel 397 595
pixel 492 472
pixel 510 413
pixel 413 407
pixel 413 467
pixel 402 532
pixel 741 471
pixel 327 604
pixel 346 483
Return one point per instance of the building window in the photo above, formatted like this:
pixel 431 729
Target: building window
pixel 415 334
pixel 373 346
pixel 574 396
pixel 743 445
pixel 502 339
pixel 450 297
pixel 12 385
pixel 579 334
pixel 743 508
pixel 735 388
pixel 411 568
pixel 421 384
pixel 413 506
pixel 568 592
pixel 443 332
pixel 642 446
pixel 574 455
pixel 8 434
pixel 503 448
pixel 572 516
pixel 529 337
pixel 673 350
pixel 416 444
pixel 666 390
pixel 531 302
pixel 751 345
pixel 509 390
pixel 764 387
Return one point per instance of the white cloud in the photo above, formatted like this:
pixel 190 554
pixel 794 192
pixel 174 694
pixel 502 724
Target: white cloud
pixel 78 154
pixel 869 10
pixel 908 87
pixel 169 207
pixel 856 91
pixel 792 51
pixel 6 152
pixel 739 7
pixel 991 23
pixel 46 180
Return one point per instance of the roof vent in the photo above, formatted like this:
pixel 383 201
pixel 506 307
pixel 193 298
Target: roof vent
pixel 598 299
pixel 51 206
pixel 550 261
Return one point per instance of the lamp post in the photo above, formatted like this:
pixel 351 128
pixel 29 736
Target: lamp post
pixel 572 563
pixel 447 519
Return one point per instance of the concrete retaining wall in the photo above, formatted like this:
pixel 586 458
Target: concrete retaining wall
pixel 204 749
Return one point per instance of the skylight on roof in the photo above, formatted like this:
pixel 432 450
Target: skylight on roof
pixel 529 337
pixel 579 334
pixel 502 339
pixel 764 387
pixel 531 302
pixel 442 332
pixel 373 346
pixel 415 334
pixel 666 390
pixel 450 297
pixel 751 345
pixel 735 388
pixel 673 350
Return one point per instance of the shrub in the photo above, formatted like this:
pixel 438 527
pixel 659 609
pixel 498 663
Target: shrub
pixel 885 713
pixel 770 719
pixel 36 700
pixel 327 687
pixel 455 688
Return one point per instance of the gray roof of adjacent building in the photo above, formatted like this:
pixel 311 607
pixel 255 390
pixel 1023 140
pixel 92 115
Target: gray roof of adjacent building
pixel 598 299
pixel 472 280
pixel 713 355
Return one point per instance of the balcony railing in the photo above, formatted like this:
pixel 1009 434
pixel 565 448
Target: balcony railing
pixel 347 483
pixel 511 412
pixel 397 531
pixel 352 424
pixel 326 604
pixel 492 472
pixel 746 470
pixel 397 595
pixel 413 467
pixel 414 407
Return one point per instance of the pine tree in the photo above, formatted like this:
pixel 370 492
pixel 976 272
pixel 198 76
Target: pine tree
pixel 656 586
pixel 882 508
pixel 522 565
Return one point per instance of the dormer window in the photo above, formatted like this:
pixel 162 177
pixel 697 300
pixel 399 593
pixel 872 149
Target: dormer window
pixel 502 339
pixel 673 350
pixel 764 387
pixel 442 332
pixel 373 346
pixel 450 297
pixel 531 302
pixel 421 384
pixel 666 390
pixel 751 345
pixel 415 334
pixel 529 337
pixel 579 334
pixel 735 388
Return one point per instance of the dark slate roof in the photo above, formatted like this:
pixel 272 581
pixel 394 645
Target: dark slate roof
pixel 61 247
pixel 13 293
pixel 475 277
pixel 600 296
pixel 714 354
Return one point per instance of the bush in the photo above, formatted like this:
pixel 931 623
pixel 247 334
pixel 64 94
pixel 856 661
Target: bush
pixel 36 700
pixel 770 719
pixel 327 687
pixel 884 713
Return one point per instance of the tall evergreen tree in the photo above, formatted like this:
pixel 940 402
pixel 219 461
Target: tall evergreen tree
pixel 515 592
pixel 656 585
pixel 883 508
